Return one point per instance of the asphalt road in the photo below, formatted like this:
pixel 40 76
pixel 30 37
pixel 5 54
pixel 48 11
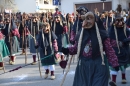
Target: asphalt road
pixel 29 75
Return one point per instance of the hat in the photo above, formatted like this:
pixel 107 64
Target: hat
pixel 82 10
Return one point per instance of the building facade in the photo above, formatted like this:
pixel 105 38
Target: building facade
pixel 45 5
pixel 32 6
pixel 69 6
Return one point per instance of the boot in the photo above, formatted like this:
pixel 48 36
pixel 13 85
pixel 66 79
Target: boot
pixel 1 65
pixel 34 60
pixel 123 78
pixel 23 52
pixel 10 61
pixel 113 82
pixel 13 60
pixel 52 75
pixel 46 73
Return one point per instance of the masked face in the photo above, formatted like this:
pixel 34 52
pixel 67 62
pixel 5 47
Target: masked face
pixel 119 22
pixel 44 19
pixel 89 20
pixel 102 16
pixel 57 19
pixel 110 14
pixel 46 28
pixel 70 18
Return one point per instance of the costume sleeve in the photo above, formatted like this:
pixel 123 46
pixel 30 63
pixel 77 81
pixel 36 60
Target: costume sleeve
pixel 27 31
pixel 55 46
pixel 73 49
pixel 72 35
pixel 65 29
pixel 112 58
pixel 16 32
pixel 53 36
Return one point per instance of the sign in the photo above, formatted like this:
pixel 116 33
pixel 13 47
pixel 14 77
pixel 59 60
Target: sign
pixel 55 2
pixel 103 0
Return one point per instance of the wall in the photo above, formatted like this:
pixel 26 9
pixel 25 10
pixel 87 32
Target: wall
pixel 68 5
pixel 28 6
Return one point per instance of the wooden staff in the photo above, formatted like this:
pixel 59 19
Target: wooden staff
pixel 10 38
pixel 66 71
pixel 34 31
pixel 38 22
pixel 38 57
pixel 31 26
pixel 25 34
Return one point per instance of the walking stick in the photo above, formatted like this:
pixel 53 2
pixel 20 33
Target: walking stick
pixel 3 63
pixel 25 45
pixel 66 71
pixel 38 57
pixel 10 40
pixel 39 63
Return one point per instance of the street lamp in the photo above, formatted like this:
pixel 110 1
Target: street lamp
pixel 103 4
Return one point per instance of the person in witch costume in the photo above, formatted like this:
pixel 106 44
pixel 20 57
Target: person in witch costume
pixel 32 38
pixel 91 41
pixel 70 24
pixel 59 28
pixel 47 42
pixel 109 21
pixel 3 49
pixel 120 38
pixel 78 23
pixel 12 42
pixel 24 32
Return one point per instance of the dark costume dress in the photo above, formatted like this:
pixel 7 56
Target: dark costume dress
pixel 45 47
pixel 76 28
pixel 59 33
pixel 89 70
pixel 34 33
pixel 12 41
pixel 123 56
pixel 109 23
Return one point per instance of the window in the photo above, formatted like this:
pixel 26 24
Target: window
pixel 46 1
pixel 40 1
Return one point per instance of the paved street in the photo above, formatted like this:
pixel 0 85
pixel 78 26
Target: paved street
pixel 29 76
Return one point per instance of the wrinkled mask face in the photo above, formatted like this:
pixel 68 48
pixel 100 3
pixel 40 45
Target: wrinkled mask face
pixel 70 17
pixel 119 22
pixel 103 16
pixel 89 20
pixel 57 19
pixel 44 19
pixel 46 28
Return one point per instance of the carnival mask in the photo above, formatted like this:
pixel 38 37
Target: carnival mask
pixel 57 19
pixel 70 17
pixel 46 27
pixel 88 20
pixel 119 22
